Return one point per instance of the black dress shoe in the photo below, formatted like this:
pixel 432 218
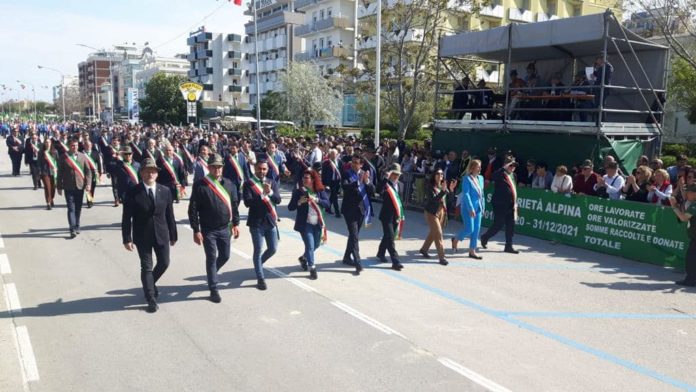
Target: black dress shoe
pixel 484 243
pixel 425 254
pixel 477 257
pixel 397 266
pixel 444 261
pixel 152 306
pixel 35 188
pixel 510 250
pixel 338 216
pixel 48 207
pixel 72 234
pixel 53 204
pixel 77 230
pixel 382 259
pixel 686 283
pixel 358 267
pixel 313 274
pixel 303 263
pixel 261 284
pixel 215 296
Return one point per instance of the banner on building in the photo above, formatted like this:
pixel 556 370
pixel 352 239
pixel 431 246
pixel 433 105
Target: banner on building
pixel 133 105
pixel 191 91
pixel 638 231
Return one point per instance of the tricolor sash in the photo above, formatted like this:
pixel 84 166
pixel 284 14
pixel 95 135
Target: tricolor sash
pixel 131 172
pixel 220 192
pixel 52 164
pixel 179 158
pixel 73 163
pixel 363 196
pixel 399 208
pixel 334 168
pixel 204 165
pixel 188 155
pixel 237 168
pixel 170 169
pixel 273 165
pixel 257 187
pixel 136 148
pixel 511 183
pixel 320 213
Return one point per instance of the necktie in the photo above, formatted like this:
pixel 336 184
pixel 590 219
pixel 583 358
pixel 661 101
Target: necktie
pixel 152 196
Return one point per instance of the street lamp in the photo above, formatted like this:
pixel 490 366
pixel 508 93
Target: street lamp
pixel 62 85
pixel 111 79
pixel 33 90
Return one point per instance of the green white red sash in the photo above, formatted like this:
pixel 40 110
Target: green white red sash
pixel 52 164
pixel 220 192
pixel 335 169
pixel 170 169
pixel 179 158
pixel 131 172
pixel 78 170
pixel 203 165
pixel 320 213
pixel 93 166
pixel 136 148
pixel 399 209
pixel 188 154
pixel 237 168
pixel 273 165
pixel 257 187
pixel 511 183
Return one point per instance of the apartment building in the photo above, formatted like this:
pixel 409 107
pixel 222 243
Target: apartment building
pixel 93 73
pixel 216 62
pixel 151 65
pixel 276 44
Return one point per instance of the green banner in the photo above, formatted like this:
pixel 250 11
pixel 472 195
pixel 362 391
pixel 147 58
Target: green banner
pixel 637 231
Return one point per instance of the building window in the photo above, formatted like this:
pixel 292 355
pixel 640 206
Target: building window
pixel 329 12
pixel 322 14
pixel 551 6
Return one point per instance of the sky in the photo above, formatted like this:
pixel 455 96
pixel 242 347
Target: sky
pixel 45 32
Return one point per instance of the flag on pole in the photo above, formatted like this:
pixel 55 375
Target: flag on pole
pixel 237 2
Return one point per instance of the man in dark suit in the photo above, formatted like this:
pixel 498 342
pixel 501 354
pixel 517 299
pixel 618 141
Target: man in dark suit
pixel 504 204
pixel 236 168
pixel 261 195
pixel 214 216
pixel 172 174
pixel 331 178
pixel 392 216
pixel 356 208
pixel 148 222
pixel 75 178
pixel 126 172
pixel 15 149
pixel 31 158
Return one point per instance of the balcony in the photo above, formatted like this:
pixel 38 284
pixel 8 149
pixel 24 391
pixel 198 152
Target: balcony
pixel 270 65
pixel 204 54
pixel 275 20
pixel 493 11
pixel 234 38
pixel 269 44
pixel 234 72
pixel 234 89
pixel 321 25
pixel 299 4
pixel 234 55
pixel 520 15
pixel 325 53
pixel 459 5
pixel 543 17
pixel 365 11
pixel 200 37
pixel 408 36
pixel 191 73
pixel 280 41
pixel 281 63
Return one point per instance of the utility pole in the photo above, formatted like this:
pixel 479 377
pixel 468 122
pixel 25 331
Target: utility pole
pixel 378 70
pixel 62 85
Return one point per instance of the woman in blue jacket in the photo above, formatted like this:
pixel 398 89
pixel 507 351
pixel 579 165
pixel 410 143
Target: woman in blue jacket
pixel 310 200
pixel 472 203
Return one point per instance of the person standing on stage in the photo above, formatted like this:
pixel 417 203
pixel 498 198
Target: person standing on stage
pixel 200 167
pixel 75 178
pixel 392 216
pixel 436 213
pixel 356 208
pixel 261 195
pixel 31 158
pixel 688 214
pixel 214 217
pixel 15 148
pixel 172 174
pixel 472 204
pixel 309 200
pixel 127 172
pixel 504 201
pixel 236 168
pixel 95 165
pixel 148 223
pixel 331 178
pixel 48 170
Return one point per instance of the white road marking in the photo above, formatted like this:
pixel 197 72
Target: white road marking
pixel 294 281
pixel 5 265
pixel 473 376
pixel 30 372
pixel 2 243
pixel 240 253
pixel 366 319
pixel 12 298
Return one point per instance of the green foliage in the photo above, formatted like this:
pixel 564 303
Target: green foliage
pixel 313 99
pixel 163 102
pixel 675 149
pixel 274 106
pixel 683 87
pixel 328 131
pixel 668 160
pixel 289 131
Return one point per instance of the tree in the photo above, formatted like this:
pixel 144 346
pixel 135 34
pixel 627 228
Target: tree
pixel 682 88
pixel 409 45
pixel 312 99
pixel 274 106
pixel 163 102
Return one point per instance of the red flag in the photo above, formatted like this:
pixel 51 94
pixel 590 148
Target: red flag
pixel 237 2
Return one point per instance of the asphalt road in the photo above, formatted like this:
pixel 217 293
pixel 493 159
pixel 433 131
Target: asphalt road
pixel 553 318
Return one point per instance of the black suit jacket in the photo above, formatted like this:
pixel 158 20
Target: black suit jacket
pixel 258 214
pixel 502 194
pixel 303 209
pixel 388 212
pixel 144 223
pixel 352 205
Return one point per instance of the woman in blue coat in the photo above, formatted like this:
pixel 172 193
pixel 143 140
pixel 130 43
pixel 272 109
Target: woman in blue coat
pixel 310 200
pixel 472 203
